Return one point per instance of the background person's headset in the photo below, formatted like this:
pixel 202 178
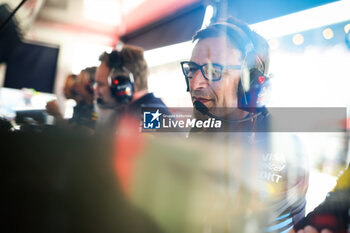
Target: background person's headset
pixel 254 84
pixel 121 85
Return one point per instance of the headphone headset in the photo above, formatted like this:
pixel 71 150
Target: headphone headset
pixel 254 84
pixel 121 86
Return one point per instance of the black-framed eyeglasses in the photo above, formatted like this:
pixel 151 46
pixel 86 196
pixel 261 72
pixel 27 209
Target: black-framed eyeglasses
pixel 211 71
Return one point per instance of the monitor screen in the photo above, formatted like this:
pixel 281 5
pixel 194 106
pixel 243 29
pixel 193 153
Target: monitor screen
pixel 32 65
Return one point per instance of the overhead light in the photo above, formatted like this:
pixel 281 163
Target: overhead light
pixel 328 33
pixel 209 12
pixel 298 39
pixel 347 28
pixel 304 20
pixel 102 11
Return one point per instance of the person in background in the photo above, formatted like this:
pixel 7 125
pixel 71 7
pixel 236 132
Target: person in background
pixel 69 87
pixel 122 86
pixel 80 89
pixel 52 107
pixel 84 113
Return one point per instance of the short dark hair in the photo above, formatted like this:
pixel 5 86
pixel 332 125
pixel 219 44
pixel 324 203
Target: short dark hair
pixel 133 59
pixel 240 36
pixel 91 71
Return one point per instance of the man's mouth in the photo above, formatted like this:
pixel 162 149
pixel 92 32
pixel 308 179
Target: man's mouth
pixel 203 100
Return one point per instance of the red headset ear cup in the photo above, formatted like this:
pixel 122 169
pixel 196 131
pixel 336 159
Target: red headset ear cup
pixel 122 89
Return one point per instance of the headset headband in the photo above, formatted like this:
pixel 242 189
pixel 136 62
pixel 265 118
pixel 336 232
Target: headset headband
pixel 244 42
pixel 115 60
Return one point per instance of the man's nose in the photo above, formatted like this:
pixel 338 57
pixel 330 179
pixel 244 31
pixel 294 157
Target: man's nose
pixel 198 81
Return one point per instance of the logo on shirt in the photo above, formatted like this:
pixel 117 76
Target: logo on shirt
pixel 151 120
pixel 275 164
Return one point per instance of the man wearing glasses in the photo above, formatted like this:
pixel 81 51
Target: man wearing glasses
pixel 226 77
pixel 223 54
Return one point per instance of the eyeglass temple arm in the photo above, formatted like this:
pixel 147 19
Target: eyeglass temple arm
pixel 187 84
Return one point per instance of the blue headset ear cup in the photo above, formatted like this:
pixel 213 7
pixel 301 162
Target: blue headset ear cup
pixel 254 98
pixel 252 89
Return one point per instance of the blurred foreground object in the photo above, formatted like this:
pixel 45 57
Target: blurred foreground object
pixel 203 185
pixel 334 213
pixel 62 181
